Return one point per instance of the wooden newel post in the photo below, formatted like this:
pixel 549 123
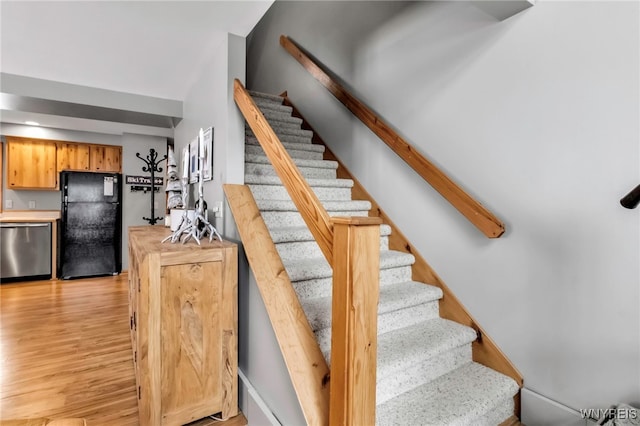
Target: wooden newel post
pixel 356 270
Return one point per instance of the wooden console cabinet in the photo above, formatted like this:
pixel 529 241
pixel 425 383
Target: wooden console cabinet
pixel 183 318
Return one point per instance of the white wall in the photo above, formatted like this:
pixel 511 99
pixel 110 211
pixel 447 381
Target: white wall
pixel 209 102
pixel 135 205
pixel 537 117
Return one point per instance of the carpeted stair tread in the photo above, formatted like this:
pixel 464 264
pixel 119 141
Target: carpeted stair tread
pixel 329 206
pixel 322 287
pixel 392 298
pixel 266 96
pixel 293 153
pixel 275 180
pixel 313 268
pixel 284 130
pixel 454 399
pixel 300 144
pixel 300 162
pixel 401 348
pixel 274 116
pixel 263 169
pixel 302 233
pixel 265 104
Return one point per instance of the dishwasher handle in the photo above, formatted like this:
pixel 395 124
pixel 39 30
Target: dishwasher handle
pixel 23 225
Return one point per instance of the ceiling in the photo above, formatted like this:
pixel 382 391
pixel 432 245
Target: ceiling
pixel 146 48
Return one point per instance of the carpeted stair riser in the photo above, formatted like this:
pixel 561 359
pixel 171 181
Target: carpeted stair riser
pixel 272 192
pixel 387 322
pixel 307 172
pixel 291 234
pixel 282 119
pixel 283 132
pixel 394 312
pixel 265 97
pixel 309 249
pixel 421 372
pixel 305 142
pixel 277 219
pixel 293 153
pixel 411 356
pixel 297 143
pixel 299 162
pixel 322 287
pixel 308 269
pixel 272 106
pixel 502 411
pixel 425 373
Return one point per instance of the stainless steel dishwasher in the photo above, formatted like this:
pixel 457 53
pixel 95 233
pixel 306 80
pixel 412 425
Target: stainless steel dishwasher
pixel 25 249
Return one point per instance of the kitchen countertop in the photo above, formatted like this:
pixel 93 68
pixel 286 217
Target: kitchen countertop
pixel 29 215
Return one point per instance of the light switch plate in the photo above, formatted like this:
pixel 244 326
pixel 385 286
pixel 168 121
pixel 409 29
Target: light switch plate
pixel 32 204
pixel 8 204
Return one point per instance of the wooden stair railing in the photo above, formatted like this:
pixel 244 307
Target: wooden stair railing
pixel 351 246
pixel 478 215
pixel 632 199
pixel 484 349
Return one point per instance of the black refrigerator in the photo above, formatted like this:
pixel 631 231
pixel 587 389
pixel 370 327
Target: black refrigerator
pixel 91 224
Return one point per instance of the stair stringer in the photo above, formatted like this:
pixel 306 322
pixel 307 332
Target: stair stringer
pixel 303 357
pixel 484 349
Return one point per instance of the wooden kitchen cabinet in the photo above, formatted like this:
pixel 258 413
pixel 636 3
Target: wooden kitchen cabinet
pixel 31 163
pixel 183 319
pixel 72 156
pixel 105 158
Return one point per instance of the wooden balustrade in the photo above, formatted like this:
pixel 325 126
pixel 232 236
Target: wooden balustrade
pixel 354 324
pixel 351 246
pixel 478 215
pixel 314 215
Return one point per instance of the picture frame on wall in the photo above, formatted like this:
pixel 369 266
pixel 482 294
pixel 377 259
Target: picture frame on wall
pixel 185 162
pixel 193 161
pixel 207 166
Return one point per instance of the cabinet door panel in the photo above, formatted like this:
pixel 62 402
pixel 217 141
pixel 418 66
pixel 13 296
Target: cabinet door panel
pixel 72 156
pixel 31 164
pixel 104 158
pixel 191 338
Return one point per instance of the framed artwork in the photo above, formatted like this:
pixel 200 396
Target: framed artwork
pixel 207 166
pixel 193 161
pixel 185 162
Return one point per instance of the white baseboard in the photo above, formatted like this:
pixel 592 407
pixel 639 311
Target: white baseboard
pixel 538 410
pixel 253 406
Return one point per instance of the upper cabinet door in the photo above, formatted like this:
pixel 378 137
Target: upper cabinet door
pixel 31 163
pixel 72 156
pixel 105 158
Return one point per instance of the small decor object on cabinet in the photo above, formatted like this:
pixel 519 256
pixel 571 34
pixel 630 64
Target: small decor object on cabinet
pixel 174 188
pixel 193 161
pixel 199 227
pixel 183 316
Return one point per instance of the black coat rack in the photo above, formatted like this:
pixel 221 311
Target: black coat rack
pixel 152 167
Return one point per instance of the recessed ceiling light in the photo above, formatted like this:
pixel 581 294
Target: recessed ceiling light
pixel 32 123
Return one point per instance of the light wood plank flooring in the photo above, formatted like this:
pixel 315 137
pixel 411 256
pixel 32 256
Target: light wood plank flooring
pixel 65 351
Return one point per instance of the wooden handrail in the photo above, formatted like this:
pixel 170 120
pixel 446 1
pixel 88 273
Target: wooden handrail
pixel 312 211
pixel 478 215
pixel 632 199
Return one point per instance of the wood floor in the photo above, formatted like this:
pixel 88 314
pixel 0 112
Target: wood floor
pixel 65 351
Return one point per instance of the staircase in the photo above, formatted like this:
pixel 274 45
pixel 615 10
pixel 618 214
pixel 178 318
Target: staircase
pixel 425 374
